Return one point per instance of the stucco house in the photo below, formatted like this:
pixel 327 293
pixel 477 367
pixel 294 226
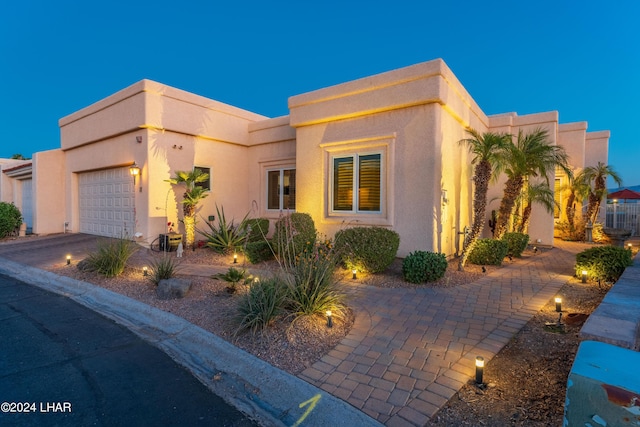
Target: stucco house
pixel 382 150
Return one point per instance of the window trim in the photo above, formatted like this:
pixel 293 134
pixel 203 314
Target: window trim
pixel 281 170
pixel 356 154
pixel 208 184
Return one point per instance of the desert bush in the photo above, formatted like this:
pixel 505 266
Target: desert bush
pixel 423 266
pixel 261 305
pixel 489 252
pixel 111 256
pixel 258 251
pixel 575 234
pixel 226 237
pixel 10 219
pixel 603 263
pixel 367 249
pixel 517 243
pixel 163 267
pixel 311 286
pixel 257 229
pixel 293 234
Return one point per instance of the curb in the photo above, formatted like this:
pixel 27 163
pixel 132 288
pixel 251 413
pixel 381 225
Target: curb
pixel 262 392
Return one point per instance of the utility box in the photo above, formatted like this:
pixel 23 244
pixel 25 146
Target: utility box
pixel 170 241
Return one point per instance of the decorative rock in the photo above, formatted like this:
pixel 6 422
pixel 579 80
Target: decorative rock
pixel 173 288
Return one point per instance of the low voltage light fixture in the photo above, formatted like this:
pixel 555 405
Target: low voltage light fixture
pixel 68 259
pixel 329 319
pixel 145 271
pixel 479 369
pixel 584 276
pixel 558 304
pixel 355 274
pixel 235 258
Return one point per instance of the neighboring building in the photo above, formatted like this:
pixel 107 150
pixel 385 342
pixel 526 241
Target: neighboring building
pixel 382 150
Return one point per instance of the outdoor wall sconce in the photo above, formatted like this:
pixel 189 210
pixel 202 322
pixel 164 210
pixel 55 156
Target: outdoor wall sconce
pixel 145 271
pixel 558 301
pixel 68 259
pixel 584 276
pixel 329 319
pixel 355 274
pixel 479 369
pixel 134 170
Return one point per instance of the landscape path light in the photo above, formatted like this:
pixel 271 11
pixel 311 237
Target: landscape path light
pixel 558 304
pixel 479 369
pixel 329 319
pixel 68 259
pixel 584 276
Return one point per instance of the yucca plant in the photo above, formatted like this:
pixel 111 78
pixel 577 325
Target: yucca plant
pixel 163 267
pixel 111 256
pixel 226 237
pixel 259 307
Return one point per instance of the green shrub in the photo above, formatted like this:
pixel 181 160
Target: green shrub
pixel 293 234
pixel 603 263
pixel 10 219
pixel 489 252
pixel 421 266
pixel 163 267
pixel 233 277
pixel 367 249
pixel 257 229
pixel 226 237
pixel 261 305
pixel 111 256
pixel 517 243
pixel 258 251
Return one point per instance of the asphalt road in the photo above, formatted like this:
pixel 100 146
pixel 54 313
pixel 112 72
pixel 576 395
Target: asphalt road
pixel 67 365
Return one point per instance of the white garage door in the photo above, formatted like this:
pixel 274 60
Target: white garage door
pixel 107 202
pixel 27 202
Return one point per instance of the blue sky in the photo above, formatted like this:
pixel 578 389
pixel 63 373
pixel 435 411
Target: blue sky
pixel 581 58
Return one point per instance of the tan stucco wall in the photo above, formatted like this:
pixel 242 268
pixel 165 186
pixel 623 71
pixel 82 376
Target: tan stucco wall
pixel 541 225
pixel 414 116
pixel 177 131
pixel 272 146
pixel 49 213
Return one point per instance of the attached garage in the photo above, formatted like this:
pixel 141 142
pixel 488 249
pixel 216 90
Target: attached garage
pixel 107 202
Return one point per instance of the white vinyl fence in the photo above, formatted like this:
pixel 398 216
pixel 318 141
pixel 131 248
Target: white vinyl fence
pixel 625 216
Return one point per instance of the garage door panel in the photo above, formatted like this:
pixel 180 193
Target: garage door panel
pixel 107 202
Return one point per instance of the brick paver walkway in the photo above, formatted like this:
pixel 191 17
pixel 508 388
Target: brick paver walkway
pixel 411 350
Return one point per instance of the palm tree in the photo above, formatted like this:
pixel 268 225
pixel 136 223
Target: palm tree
pixel 539 193
pixel 531 155
pixel 578 190
pixel 597 176
pixel 190 199
pixel 487 150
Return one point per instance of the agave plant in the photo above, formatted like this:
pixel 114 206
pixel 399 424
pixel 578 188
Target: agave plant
pixel 226 237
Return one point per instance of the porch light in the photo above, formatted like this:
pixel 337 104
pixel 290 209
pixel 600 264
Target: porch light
pixel 68 259
pixel 558 304
pixel 584 276
pixel 134 170
pixel 479 369
pixel 329 319
pixel 355 274
pixel 145 271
